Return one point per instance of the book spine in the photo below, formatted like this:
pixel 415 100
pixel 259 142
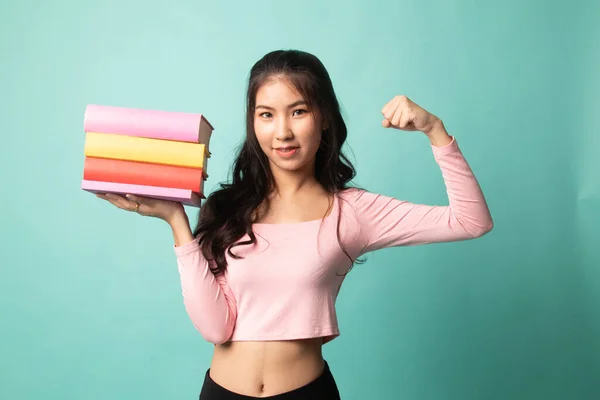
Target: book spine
pixel 139 173
pixel 166 125
pixel 131 148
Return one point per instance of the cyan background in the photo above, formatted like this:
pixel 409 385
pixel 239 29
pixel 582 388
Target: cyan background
pixel 90 298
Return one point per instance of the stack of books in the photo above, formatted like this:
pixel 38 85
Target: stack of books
pixel 149 153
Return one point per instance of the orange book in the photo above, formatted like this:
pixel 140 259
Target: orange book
pixel 141 173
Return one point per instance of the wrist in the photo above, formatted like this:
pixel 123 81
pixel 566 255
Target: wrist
pixel 177 217
pixel 438 136
pixel 180 227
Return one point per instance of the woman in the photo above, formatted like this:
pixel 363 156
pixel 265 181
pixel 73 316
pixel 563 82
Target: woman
pixel 261 271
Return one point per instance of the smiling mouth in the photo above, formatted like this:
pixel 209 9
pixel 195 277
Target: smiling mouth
pixel 286 151
pixel 288 148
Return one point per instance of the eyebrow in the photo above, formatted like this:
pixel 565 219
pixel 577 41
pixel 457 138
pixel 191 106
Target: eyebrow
pixel 294 104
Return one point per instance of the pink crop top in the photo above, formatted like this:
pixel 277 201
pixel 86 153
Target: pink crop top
pixel 286 285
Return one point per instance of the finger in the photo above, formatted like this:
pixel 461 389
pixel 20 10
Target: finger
pixel 397 116
pixel 386 123
pixel 146 204
pixel 387 105
pixel 113 195
pixel 149 201
pixel 394 108
pixel 404 120
pixel 113 201
pixel 120 201
pixel 391 108
pixel 134 198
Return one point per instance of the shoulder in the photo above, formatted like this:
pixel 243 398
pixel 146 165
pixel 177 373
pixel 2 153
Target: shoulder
pixel 363 215
pixel 356 203
pixel 348 193
pixel 351 193
pixel 345 201
pixel 357 198
pixel 347 197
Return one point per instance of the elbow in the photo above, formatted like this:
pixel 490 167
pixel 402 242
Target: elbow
pixel 216 330
pixel 216 338
pixel 214 334
pixel 212 328
pixel 482 229
pixel 214 325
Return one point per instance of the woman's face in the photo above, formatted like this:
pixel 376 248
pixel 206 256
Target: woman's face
pixel 287 131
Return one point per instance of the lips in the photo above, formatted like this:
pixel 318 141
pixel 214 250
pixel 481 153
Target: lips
pixel 286 148
pixel 287 151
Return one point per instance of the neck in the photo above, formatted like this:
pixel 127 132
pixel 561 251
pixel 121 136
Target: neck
pixel 290 183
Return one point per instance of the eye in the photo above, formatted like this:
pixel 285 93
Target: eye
pixel 265 115
pixel 301 111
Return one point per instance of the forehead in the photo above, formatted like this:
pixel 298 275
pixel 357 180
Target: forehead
pixel 277 90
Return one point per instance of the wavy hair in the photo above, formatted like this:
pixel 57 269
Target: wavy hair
pixel 227 213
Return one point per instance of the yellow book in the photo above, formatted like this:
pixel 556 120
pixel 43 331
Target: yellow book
pixel 157 151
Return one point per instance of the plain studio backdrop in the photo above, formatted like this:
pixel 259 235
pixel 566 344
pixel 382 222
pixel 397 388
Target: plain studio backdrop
pixel 90 300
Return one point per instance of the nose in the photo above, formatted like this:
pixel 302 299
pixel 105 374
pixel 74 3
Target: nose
pixel 283 130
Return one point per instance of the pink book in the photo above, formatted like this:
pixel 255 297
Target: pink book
pixel 168 125
pixel 183 196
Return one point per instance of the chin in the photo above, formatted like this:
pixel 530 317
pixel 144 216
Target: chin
pixel 289 166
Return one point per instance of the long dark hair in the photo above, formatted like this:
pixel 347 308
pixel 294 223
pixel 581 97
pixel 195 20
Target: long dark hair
pixel 227 214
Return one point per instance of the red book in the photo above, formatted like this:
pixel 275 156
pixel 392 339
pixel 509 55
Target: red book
pixel 146 174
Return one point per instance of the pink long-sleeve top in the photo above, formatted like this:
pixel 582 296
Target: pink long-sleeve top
pixel 286 285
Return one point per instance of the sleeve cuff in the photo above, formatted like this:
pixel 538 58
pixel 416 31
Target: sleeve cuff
pixel 186 248
pixel 445 149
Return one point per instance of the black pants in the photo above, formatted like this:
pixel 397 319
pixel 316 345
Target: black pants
pixel 323 387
